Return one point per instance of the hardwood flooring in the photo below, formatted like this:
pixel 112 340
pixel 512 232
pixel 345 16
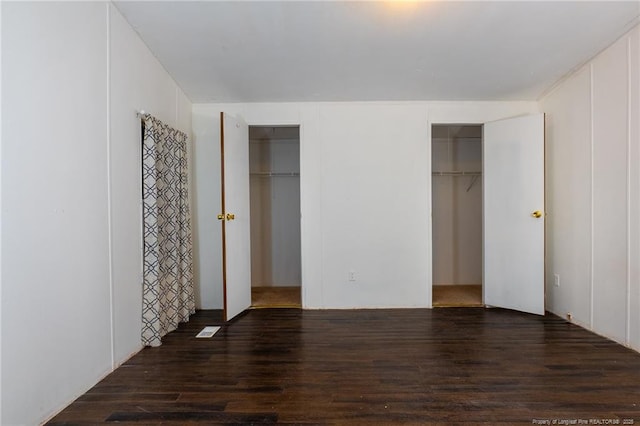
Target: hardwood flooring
pixel 440 366
pixel 275 297
pixel 457 296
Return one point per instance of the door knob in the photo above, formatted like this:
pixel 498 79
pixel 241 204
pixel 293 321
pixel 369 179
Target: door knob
pixel 537 214
pixel 231 216
pixel 220 217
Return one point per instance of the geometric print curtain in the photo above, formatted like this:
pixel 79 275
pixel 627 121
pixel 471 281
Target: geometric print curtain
pixel 168 296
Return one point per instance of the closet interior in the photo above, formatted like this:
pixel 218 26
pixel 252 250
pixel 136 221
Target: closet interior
pixel 274 167
pixel 456 152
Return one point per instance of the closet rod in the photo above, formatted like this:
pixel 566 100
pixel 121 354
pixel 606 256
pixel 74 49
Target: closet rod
pixel 275 174
pixel 456 173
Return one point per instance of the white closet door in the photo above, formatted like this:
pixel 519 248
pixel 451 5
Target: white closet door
pixel 236 240
pixel 513 159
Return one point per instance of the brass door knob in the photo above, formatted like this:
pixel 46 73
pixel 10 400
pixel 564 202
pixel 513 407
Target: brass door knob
pixel 220 217
pixel 231 216
pixel 537 214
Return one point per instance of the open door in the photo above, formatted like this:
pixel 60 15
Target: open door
pixel 513 213
pixel 236 243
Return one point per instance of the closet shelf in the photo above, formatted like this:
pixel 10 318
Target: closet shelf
pixel 456 173
pixel 275 174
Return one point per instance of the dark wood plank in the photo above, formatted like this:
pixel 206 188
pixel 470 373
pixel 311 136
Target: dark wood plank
pixel 441 366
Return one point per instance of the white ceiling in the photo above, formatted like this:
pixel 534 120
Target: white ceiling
pixel 237 51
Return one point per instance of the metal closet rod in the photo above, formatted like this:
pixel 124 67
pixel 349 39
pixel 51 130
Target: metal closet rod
pixel 456 173
pixel 275 174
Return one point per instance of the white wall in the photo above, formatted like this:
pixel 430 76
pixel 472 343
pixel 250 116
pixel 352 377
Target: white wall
pixel 55 315
pixel 0 211
pixel 365 194
pixel 207 245
pixel 137 81
pixel 593 190
pixel 73 76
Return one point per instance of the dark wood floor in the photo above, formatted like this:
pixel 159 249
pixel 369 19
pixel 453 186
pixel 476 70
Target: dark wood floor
pixel 441 366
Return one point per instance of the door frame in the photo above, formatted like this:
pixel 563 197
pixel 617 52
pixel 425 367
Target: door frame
pixel 299 127
pixel 430 167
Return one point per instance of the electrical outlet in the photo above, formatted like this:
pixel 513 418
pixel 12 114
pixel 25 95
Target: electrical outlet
pixel 556 280
pixel 352 275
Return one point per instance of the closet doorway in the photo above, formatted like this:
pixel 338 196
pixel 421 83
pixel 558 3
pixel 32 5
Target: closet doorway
pixel 456 152
pixel 274 167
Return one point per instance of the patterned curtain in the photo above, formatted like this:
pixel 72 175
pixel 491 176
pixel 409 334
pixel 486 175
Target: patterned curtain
pixel 167 297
